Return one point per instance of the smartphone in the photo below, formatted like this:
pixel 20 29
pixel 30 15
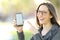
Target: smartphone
pixel 19 19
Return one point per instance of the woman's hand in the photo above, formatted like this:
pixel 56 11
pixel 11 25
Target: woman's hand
pixel 33 29
pixel 19 28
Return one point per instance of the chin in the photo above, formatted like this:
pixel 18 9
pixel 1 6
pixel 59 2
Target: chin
pixel 42 23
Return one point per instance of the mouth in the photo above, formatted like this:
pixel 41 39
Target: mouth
pixel 41 20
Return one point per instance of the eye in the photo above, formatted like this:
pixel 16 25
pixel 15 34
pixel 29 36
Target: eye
pixel 39 12
pixel 42 12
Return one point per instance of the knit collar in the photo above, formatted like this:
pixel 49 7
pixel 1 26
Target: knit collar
pixel 51 33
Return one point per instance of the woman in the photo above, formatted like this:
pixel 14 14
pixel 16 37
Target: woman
pixel 48 27
pixel 46 19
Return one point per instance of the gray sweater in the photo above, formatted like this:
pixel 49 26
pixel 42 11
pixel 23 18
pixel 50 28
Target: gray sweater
pixel 53 34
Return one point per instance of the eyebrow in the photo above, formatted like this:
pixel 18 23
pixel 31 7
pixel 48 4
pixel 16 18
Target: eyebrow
pixel 42 11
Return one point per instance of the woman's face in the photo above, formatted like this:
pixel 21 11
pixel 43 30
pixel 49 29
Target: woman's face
pixel 43 14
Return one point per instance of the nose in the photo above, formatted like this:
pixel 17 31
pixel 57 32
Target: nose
pixel 40 14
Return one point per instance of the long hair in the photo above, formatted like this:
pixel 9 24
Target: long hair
pixel 52 12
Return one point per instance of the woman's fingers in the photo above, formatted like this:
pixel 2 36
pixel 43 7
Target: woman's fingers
pixel 19 28
pixel 32 28
pixel 29 23
pixel 14 23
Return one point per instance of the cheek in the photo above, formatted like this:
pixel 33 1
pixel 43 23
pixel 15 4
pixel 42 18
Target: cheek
pixel 47 18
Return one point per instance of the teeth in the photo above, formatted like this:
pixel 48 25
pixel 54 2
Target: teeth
pixel 40 20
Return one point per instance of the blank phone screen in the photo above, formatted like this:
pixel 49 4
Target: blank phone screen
pixel 19 19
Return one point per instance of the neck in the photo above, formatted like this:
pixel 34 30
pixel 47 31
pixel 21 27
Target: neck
pixel 47 25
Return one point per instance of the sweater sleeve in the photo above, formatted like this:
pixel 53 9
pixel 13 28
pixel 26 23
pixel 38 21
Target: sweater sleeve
pixel 32 38
pixel 20 36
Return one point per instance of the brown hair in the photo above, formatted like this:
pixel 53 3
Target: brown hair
pixel 52 12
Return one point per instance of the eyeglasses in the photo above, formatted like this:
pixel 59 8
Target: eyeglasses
pixel 42 13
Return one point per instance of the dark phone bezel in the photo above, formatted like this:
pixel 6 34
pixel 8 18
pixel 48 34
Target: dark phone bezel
pixel 16 20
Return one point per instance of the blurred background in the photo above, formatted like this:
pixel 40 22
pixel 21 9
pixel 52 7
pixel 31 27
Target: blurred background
pixel 28 7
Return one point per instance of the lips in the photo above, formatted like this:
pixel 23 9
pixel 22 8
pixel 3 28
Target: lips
pixel 41 20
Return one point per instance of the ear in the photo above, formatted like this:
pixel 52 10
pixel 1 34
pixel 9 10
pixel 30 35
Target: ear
pixel 51 16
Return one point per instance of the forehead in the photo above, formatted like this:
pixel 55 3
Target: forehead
pixel 43 8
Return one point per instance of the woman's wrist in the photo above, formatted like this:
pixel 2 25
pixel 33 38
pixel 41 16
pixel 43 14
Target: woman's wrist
pixel 19 31
pixel 20 35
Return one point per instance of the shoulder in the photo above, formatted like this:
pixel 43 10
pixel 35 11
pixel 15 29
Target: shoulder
pixel 57 36
pixel 36 37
